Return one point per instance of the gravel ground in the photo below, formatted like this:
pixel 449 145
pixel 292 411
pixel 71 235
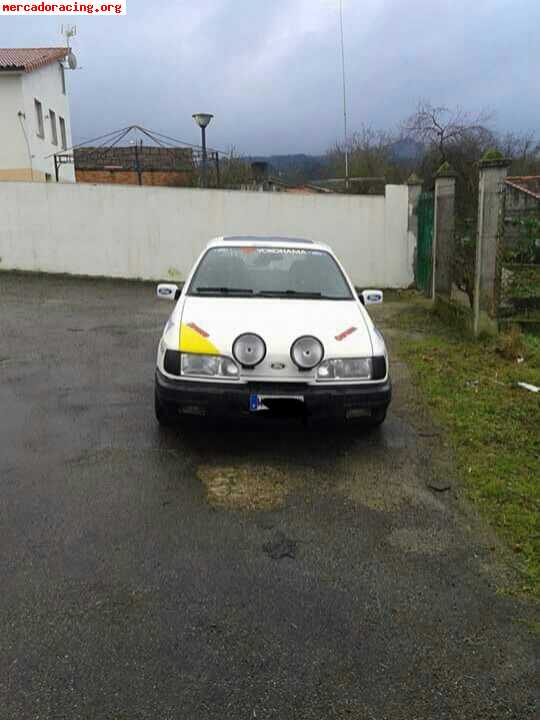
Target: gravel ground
pixel 228 570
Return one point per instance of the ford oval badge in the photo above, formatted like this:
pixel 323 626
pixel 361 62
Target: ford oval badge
pixel 277 366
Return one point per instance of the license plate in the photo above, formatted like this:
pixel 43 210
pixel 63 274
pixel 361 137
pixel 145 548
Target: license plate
pixel 258 402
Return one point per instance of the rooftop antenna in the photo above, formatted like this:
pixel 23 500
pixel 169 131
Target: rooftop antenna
pixel 70 31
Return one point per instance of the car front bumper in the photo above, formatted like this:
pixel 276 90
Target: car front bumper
pixel 218 399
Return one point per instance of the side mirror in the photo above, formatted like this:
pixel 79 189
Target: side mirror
pixel 371 297
pixel 169 291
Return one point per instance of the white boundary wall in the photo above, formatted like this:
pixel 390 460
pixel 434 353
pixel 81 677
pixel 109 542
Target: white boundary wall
pixel 156 233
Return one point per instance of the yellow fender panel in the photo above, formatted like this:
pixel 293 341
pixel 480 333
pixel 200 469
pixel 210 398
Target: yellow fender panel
pixel 193 341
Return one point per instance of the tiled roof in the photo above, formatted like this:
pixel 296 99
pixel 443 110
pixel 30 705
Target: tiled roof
pixel 529 184
pixel 28 59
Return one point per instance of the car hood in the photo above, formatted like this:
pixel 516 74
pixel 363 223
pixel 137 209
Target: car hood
pixel 211 325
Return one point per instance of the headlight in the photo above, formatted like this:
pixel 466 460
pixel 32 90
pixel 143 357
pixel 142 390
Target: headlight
pixel 209 366
pixel 307 352
pixel 346 369
pixel 249 349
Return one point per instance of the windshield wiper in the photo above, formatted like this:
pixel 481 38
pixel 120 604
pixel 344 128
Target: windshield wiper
pixel 225 290
pixel 292 293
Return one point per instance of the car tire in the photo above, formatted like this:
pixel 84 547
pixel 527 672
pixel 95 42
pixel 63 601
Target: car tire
pixel 377 417
pixel 164 415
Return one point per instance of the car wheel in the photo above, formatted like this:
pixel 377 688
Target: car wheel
pixel 164 415
pixel 377 417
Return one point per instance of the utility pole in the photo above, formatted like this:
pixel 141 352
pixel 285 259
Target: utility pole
pixel 344 95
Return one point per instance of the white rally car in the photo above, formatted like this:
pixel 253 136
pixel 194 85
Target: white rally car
pixel 267 324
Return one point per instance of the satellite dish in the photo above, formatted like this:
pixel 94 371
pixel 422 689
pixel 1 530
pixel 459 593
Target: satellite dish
pixel 72 60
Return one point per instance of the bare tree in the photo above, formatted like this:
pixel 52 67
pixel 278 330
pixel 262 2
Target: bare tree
pixel 523 151
pixel 371 156
pixel 518 146
pixel 235 170
pixel 439 126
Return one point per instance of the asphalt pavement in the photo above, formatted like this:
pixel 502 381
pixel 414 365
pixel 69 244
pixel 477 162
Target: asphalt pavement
pixel 260 569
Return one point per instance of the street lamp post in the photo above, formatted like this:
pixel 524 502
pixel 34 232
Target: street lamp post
pixel 203 120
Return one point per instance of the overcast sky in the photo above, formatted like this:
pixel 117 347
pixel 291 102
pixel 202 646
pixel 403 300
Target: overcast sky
pixel 270 70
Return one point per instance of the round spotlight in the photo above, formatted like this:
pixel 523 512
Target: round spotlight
pixel 307 352
pixel 249 349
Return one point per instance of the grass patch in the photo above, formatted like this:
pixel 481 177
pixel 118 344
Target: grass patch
pixel 493 424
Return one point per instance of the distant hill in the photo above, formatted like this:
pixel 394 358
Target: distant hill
pixel 290 166
pixel 300 167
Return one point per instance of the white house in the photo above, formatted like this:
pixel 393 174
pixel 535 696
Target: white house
pixel 34 114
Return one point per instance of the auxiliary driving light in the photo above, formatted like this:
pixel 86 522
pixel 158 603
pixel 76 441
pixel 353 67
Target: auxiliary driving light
pixel 249 350
pixel 307 352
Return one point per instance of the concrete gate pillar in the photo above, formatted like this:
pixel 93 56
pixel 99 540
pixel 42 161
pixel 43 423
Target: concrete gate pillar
pixel 414 184
pixel 443 231
pixel 491 188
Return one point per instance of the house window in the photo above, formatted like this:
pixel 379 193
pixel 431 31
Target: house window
pixel 63 135
pixel 63 78
pixel 39 119
pixel 54 133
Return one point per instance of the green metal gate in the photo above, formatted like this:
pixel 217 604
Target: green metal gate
pixel 424 212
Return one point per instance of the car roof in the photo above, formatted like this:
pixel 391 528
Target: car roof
pixel 264 240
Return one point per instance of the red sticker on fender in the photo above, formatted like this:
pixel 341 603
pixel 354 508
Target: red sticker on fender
pixel 345 333
pixel 197 329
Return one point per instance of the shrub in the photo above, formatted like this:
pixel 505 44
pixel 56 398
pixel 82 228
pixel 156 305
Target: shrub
pixel 492 154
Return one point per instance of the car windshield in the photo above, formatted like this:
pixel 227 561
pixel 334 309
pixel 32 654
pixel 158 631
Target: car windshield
pixel 270 272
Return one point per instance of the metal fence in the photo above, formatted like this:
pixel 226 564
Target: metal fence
pixel 424 258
